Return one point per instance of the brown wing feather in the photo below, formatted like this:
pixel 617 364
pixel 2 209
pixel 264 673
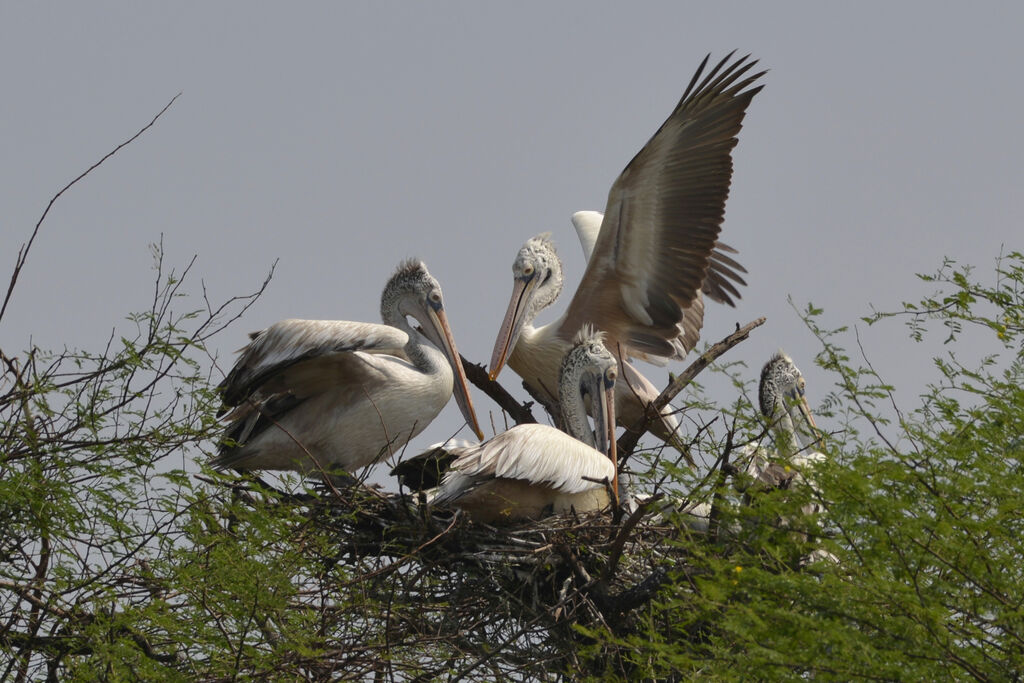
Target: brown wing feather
pixel 657 246
pixel 722 269
pixel 288 342
pixel 343 373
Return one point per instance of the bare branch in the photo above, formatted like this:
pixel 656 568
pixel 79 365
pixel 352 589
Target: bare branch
pixel 476 374
pixel 629 440
pixel 24 249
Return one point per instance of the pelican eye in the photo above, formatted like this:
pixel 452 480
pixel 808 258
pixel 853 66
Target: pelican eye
pixel 612 374
pixel 435 297
pixel 528 270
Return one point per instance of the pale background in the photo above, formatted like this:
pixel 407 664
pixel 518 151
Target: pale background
pixel 343 137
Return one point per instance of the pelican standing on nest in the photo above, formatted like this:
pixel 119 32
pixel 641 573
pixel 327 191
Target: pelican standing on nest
pixel 315 395
pixel 656 251
pixel 533 469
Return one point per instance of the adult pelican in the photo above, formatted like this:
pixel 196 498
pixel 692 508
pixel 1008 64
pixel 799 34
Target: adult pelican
pixel 656 251
pixel 531 469
pixel 314 395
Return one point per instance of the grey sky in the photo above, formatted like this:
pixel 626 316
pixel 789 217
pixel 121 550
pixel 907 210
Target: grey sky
pixel 343 137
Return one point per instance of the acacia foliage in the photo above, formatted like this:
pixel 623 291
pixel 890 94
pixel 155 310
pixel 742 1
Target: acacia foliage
pixel 122 558
pixel 924 515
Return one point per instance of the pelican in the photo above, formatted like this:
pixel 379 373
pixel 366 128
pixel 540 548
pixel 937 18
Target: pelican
pixel 782 401
pixel 781 395
pixel 315 395
pixel 656 250
pixel 533 469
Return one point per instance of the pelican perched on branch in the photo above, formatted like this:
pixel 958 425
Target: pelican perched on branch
pixel 782 402
pixel 782 399
pixel 797 440
pixel 656 251
pixel 532 469
pixel 314 395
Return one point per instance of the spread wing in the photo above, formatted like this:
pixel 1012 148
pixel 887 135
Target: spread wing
pixel 717 287
pixel 658 245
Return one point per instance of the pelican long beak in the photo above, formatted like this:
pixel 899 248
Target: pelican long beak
pixel 806 429
pixel 446 342
pixel 604 431
pixel 609 400
pixel 511 327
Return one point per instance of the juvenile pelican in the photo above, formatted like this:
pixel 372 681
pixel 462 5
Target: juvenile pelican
pixel 532 469
pixel 656 251
pixel 345 393
pixel 782 402
pixel 797 440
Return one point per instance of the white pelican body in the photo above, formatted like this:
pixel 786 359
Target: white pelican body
pixel 314 395
pixel 656 249
pixel 532 470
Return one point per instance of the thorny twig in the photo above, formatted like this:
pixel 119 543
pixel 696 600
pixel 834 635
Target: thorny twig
pixel 24 249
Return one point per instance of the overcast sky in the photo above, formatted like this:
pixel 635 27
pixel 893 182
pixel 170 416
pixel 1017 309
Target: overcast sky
pixel 341 138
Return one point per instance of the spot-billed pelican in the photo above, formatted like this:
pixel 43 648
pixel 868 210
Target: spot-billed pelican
pixel 791 464
pixel 345 393
pixel 656 251
pixel 783 403
pixel 532 469
pixel 588 227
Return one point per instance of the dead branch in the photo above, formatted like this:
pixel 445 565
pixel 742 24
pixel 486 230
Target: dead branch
pixel 629 440
pixel 24 249
pixel 476 374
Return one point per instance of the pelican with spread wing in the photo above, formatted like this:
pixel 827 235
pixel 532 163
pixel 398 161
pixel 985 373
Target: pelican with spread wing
pixel 532 470
pixel 315 395
pixel 655 253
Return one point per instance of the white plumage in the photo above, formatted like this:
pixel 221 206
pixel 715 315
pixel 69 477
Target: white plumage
pixel 532 470
pixel 536 453
pixel 655 252
pixel 313 395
